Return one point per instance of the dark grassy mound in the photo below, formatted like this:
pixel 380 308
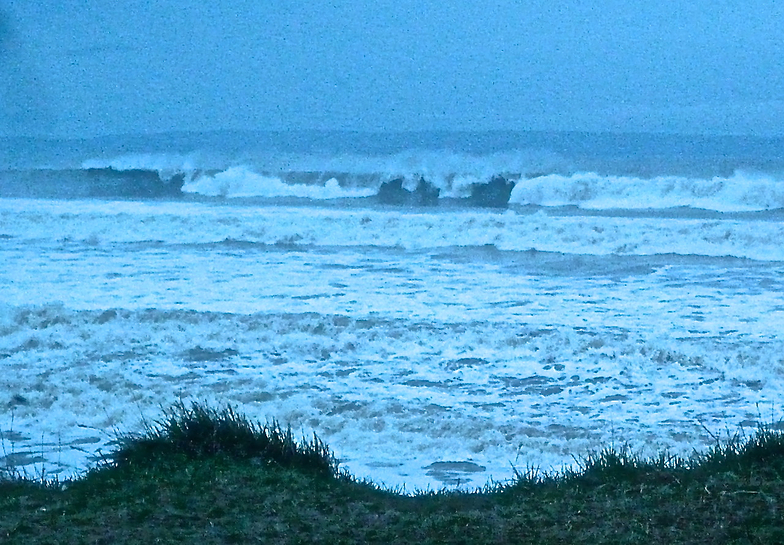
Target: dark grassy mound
pixel 209 476
pixel 199 432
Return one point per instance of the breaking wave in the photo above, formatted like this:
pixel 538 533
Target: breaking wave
pixel 539 178
pixel 741 192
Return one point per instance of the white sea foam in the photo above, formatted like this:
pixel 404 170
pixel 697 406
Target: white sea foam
pixel 394 394
pixel 401 337
pixel 198 223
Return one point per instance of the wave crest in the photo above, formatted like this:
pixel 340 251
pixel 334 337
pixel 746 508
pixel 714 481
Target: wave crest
pixel 241 181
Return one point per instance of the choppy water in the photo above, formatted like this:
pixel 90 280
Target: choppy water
pixel 626 306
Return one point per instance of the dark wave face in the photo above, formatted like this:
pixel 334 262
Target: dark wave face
pixel 89 183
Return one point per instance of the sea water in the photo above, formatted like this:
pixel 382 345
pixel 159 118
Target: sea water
pixel 629 292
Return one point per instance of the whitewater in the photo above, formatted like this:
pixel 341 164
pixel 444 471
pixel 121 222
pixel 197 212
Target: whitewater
pixel 628 290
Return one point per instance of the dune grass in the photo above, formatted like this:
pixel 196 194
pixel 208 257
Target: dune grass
pixel 204 475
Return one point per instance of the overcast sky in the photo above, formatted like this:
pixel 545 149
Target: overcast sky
pixel 89 67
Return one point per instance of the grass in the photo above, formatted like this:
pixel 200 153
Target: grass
pixel 211 476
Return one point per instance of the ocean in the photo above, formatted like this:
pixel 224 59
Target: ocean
pixel 391 294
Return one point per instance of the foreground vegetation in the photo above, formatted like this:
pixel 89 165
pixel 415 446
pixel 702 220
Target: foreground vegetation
pixel 205 476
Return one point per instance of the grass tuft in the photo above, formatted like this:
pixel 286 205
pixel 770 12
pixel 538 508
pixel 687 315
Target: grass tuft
pixel 622 465
pixel 198 431
pixel 763 451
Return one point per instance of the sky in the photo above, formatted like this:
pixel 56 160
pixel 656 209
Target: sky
pixel 88 67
